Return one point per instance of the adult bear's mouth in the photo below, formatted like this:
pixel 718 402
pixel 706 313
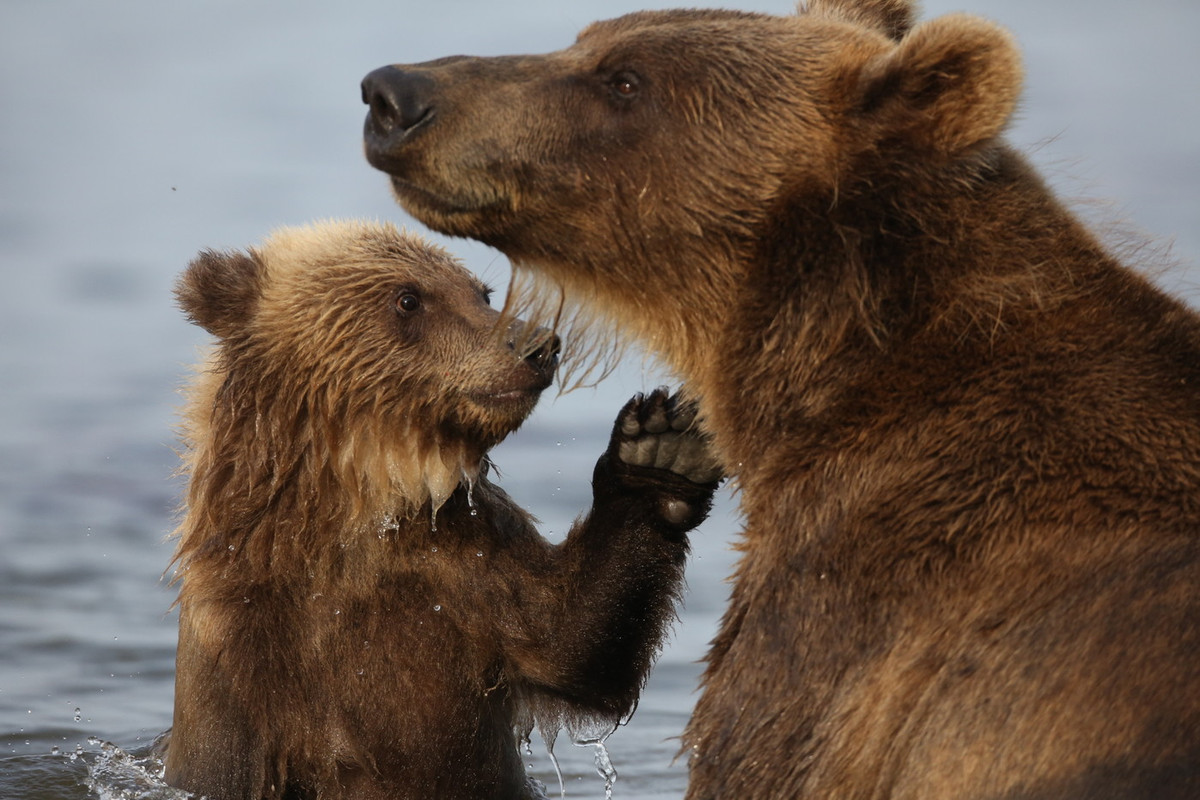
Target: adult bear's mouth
pixel 424 204
pixel 450 185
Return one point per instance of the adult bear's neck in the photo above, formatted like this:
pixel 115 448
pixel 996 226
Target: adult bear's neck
pixel 877 283
pixel 672 295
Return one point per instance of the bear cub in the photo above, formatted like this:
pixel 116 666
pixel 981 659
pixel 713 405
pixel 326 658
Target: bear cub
pixel 363 612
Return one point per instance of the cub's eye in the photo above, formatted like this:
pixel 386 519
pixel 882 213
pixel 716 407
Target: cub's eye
pixel 625 85
pixel 407 302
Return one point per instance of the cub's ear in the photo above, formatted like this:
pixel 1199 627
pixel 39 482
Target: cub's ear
pixel 949 85
pixel 893 18
pixel 219 291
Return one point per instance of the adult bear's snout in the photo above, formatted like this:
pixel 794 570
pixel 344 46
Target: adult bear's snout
pixel 400 100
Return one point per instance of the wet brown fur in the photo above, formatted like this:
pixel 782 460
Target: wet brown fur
pixel 967 438
pixel 363 613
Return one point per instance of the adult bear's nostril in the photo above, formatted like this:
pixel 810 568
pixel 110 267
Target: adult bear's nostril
pixel 399 100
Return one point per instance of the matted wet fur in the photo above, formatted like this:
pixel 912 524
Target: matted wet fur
pixel 363 613
pixel 967 437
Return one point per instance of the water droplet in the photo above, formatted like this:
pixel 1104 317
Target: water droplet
pixel 437 608
pixel 78 714
pixel 433 549
pixel 474 512
pixel 246 600
pixel 479 554
pixel 54 751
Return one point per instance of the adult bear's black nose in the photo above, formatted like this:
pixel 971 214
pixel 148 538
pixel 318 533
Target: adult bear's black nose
pixel 400 100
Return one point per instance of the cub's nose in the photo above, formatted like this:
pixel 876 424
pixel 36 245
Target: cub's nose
pixel 399 99
pixel 545 356
pixel 538 347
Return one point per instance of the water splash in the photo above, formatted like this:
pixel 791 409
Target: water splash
pixel 118 775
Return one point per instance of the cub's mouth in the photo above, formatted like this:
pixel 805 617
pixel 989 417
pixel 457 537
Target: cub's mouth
pixel 529 380
pixel 518 393
pixel 494 412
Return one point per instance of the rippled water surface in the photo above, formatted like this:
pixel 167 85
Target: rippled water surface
pixel 136 133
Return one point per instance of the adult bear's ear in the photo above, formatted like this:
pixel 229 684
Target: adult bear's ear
pixel 949 85
pixel 893 18
pixel 219 291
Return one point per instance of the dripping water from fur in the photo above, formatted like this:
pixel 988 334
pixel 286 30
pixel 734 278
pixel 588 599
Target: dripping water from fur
pixel 604 765
pixel 549 737
pixel 471 494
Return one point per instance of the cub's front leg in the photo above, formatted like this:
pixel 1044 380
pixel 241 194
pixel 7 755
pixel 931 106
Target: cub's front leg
pixel 622 565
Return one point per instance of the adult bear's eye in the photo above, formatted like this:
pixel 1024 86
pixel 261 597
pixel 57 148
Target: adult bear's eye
pixel 407 302
pixel 626 85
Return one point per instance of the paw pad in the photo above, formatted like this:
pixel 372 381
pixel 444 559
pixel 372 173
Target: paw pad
pixel 658 431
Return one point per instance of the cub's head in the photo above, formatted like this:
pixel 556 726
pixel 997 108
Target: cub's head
pixel 357 368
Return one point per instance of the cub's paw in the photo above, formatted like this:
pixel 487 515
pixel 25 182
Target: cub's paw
pixel 659 430
pixel 659 447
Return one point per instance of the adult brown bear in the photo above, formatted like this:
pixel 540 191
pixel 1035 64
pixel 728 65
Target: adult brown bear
pixel 363 613
pixel 967 438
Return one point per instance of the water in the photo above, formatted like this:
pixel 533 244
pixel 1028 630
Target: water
pixel 136 133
